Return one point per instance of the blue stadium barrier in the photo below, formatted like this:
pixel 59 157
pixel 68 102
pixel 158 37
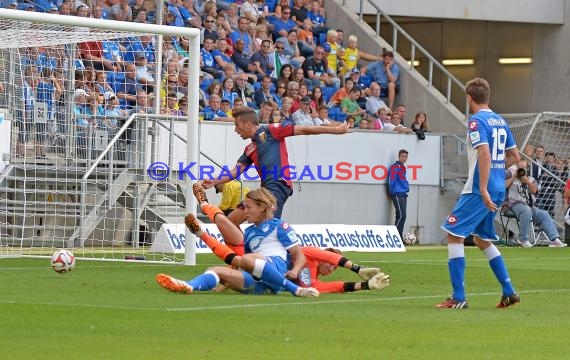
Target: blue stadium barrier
pixel 328 92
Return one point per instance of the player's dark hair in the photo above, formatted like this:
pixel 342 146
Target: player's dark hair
pixel 403 151
pixel 245 113
pixel 479 91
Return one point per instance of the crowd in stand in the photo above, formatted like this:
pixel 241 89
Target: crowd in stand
pixel 278 57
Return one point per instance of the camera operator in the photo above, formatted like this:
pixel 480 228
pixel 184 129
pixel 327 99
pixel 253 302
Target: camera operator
pixel 520 189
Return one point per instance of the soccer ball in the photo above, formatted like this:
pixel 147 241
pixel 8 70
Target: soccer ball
pixel 409 239
pixel 63 261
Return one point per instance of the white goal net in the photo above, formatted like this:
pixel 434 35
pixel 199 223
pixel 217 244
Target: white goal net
pixel 87 106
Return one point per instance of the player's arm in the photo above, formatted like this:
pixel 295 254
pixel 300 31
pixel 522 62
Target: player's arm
pixel 512 156
pixel 298 259
pixel 222 179
pixel 317 130
pixel 511 176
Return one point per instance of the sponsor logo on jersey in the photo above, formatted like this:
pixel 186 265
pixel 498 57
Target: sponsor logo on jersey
pixel 304 277
pixel 262 137
pixel 451 219
pixel 474 136
pixel 473 125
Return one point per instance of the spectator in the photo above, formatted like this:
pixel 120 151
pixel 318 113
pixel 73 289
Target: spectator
pixel 395 125
pixel 386 73
pixel 284 59
pixel 341 93
pixel 420 121
pixel 144 76
pixel 303 91
pixel 352 55
pixel 299 12
pixel 340 38
pixel 241 59
pixel 324 117
pixel 549 185
pixel 127 90
pixel 280 93
pixel 250 11
pixel 284 24
pixel 399 188
pixel 244 90
pixel 232 17
pixel 112 113
pixel 538 160
pixel 262 60
pixel 306 36
pixel 260 35
pixel 120 11
pixel 286 110
pixel 209 31
pixel 364 123
pixel 221 57
pixel 401 109
pixel 215 88
pixel 226 107
pixel 520 187
pixel 291 49
pixel 228 92
pixel 566 196
pixel 374 102
pixel 317 97
pixel 243 34
pixel 264 93
pixel 207 62
pixel 351 122
pixel 232 195
pixel 317 71
pixel 213 111
pixel 299 76
pixel 336 53
pixel 286 72
pixel 265 113
pixel 303 115
pixel 317 18
pixel 223 26
pixel 350 106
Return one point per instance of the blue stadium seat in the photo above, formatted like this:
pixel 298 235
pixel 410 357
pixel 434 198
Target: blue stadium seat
pixel 328 92
pixel 256 85
pixel 341 116
pixel 333 112
pixel 322 38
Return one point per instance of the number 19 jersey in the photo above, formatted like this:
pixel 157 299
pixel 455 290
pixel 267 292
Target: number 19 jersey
pixel 486 127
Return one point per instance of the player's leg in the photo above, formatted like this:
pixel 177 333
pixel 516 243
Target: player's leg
pixel 232 234
pixel 281 192
pixel 270 270
pixel 483 234
pixel 400 204
pixel 223 252
pixel 237 217
pixel 468 211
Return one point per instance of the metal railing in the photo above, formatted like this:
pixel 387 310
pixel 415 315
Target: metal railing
pixel 451 82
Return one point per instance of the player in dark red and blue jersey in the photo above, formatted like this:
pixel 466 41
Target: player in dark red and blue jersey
pixel 268 153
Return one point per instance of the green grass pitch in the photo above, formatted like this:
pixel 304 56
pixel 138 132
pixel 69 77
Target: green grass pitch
pixel 109 310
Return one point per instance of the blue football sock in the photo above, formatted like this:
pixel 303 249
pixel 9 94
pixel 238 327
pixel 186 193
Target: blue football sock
pixel 205 282
pixel 457 274
pixel 500 270
pixel 275 279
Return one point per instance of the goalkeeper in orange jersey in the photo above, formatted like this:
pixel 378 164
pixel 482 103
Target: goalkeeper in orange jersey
pixel 317 262
pixel 324 262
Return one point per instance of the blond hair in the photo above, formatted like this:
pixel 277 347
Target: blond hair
pixel 263 197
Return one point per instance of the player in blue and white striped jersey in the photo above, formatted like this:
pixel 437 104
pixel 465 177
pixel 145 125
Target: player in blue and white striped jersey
pixel 491 149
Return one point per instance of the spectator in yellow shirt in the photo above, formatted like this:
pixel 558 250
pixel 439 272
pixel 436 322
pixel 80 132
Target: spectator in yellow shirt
pixel 231 195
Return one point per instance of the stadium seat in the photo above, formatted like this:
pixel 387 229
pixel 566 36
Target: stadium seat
pixel 341 116
pixel 322 38
pixel 328 92
pixel 256 86
pixel 333 111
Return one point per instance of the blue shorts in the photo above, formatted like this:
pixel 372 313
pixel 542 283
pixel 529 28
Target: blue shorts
pixel 471 216
pixel 253 285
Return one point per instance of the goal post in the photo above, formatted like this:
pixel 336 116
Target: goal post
pixel 23 33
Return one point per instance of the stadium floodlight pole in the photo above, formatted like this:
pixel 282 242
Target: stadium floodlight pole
pixel 193 78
